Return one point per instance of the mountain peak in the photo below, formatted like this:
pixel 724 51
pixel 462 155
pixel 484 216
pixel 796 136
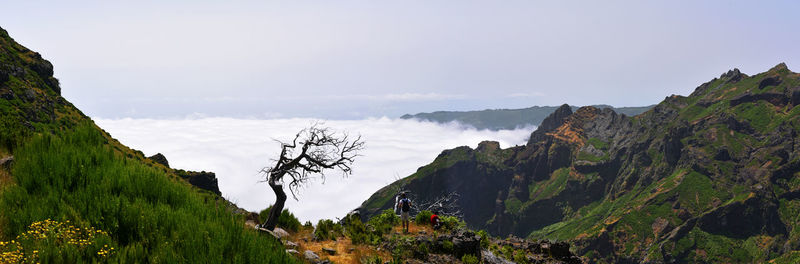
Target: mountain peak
pixel 550 123
pixel 780 67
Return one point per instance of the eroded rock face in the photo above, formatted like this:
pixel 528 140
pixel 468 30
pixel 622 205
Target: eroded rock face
pixel 159 158
pixel 769 81
pixel 203 180
pixel 550 123
pixel 687 165
pixel 744 219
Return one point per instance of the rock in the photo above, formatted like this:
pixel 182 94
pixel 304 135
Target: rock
pixel 743 219
pixel 774 98
pixel 6 162
pixel 487 146
pixel 203 180
pixel 310 255
pixel 560 250
pixel 733 75
pixel 292 251
pixel 290 244
pixel 268 232
pixel 159 158
pixel 280 232
pixel 769 81
pixel 794 93
pixel 488 257
pixel 466 242
pixel 722 154
pixel 328 250
pixel 550 123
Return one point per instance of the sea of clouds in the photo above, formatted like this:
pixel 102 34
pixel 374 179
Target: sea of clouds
pixel 237 149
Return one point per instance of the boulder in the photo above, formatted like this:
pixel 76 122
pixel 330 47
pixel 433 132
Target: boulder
pixel 268 232
pixel 203 180
pixel 310 255
pixel 290 244
pixel 329 251
pixel 160 159
pixel 466 242
pixel 280 232
pixel 489 258
pixel 6 162
pixel 292 251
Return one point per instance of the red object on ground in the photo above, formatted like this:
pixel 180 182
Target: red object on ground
pixel 434 219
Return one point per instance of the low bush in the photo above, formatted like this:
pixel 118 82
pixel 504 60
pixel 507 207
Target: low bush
pixel 286 219
pixel 451 223
pixel 485 238
pixel 469 259
pixel 423 217
pixel 384 222
pixel 327 230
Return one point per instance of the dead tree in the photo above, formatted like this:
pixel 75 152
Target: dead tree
pixel 313 150
pixel 446 204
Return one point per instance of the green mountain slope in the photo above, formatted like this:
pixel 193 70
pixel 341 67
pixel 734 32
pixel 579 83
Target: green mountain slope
pixel 497 119
pixel 70 193
pixel 711 177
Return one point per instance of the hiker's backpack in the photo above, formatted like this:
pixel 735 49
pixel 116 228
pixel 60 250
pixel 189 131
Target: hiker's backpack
pixel 406 205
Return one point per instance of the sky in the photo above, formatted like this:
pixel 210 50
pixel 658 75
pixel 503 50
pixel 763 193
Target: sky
pixel 237 149
pixel 350 60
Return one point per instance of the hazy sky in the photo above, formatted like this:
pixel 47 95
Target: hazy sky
pixel 355 59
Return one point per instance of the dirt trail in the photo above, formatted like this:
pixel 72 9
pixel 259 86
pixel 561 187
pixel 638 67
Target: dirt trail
pixel 346 252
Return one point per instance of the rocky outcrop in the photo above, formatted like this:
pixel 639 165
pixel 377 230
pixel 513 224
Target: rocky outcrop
pixel 203 180
pixel 160 159
pixel 770 81
pixel 550 123
pixel 744 219
pixel 777 99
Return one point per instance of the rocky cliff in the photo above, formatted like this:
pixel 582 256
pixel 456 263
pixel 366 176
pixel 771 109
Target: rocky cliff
pixel 708 177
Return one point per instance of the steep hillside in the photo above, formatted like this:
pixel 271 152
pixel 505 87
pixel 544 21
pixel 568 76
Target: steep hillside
pixel 708 177
pixel 70 193
pixel 497 119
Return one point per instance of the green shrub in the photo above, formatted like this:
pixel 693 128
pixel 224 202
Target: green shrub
pixel 451 223
pixel 469 259
pixel 485 238
pixel 508 252
pixel 520 257
pixel 149 214
pixel 448 245
pixel 327 230
pixel 357 231
pixel 423 218
pixel 384 222
pixel 286 219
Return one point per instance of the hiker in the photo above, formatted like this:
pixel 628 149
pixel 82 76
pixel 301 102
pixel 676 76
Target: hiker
pixel 435 223
pixel 405 207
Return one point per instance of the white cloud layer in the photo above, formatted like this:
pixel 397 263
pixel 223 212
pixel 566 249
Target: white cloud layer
pixel 236 149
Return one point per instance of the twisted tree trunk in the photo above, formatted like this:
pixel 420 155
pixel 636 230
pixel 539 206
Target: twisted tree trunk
pixel 277 208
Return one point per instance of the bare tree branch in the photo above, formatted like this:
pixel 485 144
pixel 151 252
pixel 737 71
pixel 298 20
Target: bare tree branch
pixel 313 150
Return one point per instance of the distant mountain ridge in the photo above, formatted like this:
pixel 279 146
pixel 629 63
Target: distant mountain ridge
pixel 499 119
pixel 713 177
